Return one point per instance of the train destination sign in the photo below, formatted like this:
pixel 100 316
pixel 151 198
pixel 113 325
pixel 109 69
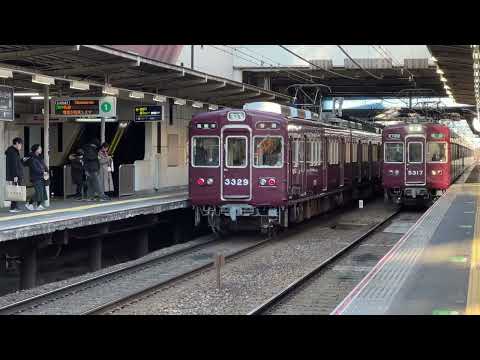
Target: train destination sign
pixel 148 113
pixel 7 112
pixel 84 107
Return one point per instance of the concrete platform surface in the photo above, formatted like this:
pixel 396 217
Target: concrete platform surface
pixel 67 214
pixel 434 269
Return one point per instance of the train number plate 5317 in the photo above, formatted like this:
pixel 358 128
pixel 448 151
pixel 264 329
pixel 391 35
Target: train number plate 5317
pixel 415 172
pixel 236 182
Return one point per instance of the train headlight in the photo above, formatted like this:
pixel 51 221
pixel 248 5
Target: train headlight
pixel 201 181
pixel 390 172
pixel 209 181
pixel 263 182
pixel 397 172
pixel 436 172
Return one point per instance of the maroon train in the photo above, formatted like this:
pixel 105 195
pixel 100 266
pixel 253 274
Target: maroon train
pixel 421 161
pixel 268 165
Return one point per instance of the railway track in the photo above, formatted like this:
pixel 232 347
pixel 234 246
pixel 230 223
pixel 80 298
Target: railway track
pixel 289 292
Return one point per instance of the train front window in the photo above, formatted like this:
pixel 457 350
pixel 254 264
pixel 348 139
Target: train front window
pixel 236 151
pixel 437 152
pixel 394 152
pixel 205 151
pixel 268 151
pixel 415 152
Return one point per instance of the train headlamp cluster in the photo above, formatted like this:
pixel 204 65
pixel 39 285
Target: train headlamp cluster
pixel 202 181
pixel 236 116
pixel 207 126
pixel 437 172
pixel 395 172
pixel 269 181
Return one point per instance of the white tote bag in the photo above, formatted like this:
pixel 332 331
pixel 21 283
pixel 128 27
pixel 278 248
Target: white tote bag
pixel 15 192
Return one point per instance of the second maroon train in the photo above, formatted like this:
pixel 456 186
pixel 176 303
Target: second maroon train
pixel 269 165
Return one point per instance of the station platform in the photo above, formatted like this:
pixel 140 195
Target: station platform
pixel 68 214
pixel 434 269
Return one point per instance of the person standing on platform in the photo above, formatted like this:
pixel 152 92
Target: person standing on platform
pixel 14 170
pixel 92 169
pixel 38 176
pixel 78 173
pixel 106 169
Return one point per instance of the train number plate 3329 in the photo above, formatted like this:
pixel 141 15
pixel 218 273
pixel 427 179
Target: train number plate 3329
pixel 236 182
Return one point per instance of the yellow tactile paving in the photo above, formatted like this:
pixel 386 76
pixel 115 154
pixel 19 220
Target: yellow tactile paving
pixel 85 207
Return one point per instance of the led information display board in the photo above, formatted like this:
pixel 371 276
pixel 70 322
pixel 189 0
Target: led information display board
pixel 148 113
pixel 85 107
pixel 7 112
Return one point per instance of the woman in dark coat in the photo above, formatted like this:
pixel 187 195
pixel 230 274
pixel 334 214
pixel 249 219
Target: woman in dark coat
pixel 38 176
pixel 78 172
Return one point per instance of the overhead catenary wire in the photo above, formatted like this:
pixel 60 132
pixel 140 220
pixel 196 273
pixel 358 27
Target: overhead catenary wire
pixel 356 63
pixel 250 61
pixel 326 70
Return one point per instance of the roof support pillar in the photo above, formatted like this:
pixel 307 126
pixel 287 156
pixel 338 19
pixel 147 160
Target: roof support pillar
pixel 46 134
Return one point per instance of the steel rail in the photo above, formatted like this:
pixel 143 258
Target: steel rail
pixel 70 289
pixel 277 298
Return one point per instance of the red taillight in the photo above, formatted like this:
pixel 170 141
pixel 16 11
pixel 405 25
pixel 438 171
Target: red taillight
pixel 200 181
pixel 271 182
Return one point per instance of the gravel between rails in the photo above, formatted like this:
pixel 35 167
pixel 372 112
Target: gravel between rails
pixel 103 292
pixel 250 280
pixel 24 294
pixel 324 291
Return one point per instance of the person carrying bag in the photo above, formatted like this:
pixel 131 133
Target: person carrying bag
pixel 15 191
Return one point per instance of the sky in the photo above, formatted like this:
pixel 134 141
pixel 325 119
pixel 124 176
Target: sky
pixel 276 54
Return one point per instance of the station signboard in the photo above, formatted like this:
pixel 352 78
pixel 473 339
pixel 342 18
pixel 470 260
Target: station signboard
pixel 148 113
pixel 7 111
pixel 84 107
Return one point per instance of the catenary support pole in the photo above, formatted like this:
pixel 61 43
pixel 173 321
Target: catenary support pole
pixel 46 134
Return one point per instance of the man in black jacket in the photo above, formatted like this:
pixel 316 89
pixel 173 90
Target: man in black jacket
pixel 14 167
pixel 92 168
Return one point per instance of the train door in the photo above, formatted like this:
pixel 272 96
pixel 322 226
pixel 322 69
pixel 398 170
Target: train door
pixel 341 161
pixel 297 156
pixel 415 171
pixel 236 164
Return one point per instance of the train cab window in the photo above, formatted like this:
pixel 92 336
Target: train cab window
pixel 393 152
pixel 205 151
pixel 268 151
pixel 415 152
pixel 236 151
pixel 437 152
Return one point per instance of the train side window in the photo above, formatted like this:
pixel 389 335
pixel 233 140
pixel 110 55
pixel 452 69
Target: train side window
pixel 205 151
pixel 393 152
pixel 374 152
pixel 294 143
pixel 354 152
pixel 268 151
pixel 347 152
pixel 236 151
pixel 308 152
pixel 437 152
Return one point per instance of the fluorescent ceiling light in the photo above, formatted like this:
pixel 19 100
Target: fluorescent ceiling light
pixel 5 74
pixel 197 105
pixel 136 95
pixel 434 59
pixel 446 87
pixel 108 90
pixel 95 120
pixel 159 98
pixel 180 102
pixel 44 80
pixel 79 85
pixel 442 78
pixel 39 97
pixel 440 71
pixel 26 94
pixel 212 107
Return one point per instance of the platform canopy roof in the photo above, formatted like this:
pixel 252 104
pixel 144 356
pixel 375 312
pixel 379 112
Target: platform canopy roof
pixel 416 77
pixel 457 64
pixel 101 64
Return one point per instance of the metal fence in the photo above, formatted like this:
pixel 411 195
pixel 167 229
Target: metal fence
pixel 126 180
